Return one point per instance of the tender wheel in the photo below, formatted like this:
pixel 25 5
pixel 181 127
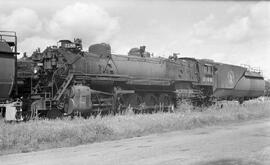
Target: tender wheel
pixel 151 101
pixel 134 101
pixel 165 102
pixel 241 100
pixel 54 113
pixel 121 103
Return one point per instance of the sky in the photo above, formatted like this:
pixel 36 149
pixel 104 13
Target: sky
pixel 234 32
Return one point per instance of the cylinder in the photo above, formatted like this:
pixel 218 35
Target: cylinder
pixel 79 99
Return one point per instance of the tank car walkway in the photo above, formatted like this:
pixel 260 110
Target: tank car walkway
pixel 242 143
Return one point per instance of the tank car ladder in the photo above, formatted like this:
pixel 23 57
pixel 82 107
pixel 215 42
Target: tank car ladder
pixel 63 87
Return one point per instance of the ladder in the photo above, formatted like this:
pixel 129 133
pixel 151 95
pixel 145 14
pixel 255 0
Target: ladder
pixel 63 87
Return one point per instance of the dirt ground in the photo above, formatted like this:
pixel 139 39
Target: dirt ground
pixel 245 143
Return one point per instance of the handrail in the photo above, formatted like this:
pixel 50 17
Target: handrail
pixel 252 69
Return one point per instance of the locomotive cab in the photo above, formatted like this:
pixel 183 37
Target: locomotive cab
pixel 207 72
pixel 67 44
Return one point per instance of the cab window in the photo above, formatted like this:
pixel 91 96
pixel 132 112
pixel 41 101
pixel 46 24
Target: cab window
pixel 208 69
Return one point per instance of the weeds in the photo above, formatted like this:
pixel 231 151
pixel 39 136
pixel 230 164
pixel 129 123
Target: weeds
pixel 45 134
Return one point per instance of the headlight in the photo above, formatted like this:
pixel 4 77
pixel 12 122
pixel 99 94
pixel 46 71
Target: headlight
pixel 36 70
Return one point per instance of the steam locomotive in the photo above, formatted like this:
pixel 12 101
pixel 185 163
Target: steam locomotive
pixel 65 80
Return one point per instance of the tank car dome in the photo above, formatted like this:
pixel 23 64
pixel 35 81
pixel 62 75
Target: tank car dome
pixel 134 52
pixel 102 49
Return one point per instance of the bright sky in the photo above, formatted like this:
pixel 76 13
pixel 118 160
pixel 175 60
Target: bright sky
pixel 225 31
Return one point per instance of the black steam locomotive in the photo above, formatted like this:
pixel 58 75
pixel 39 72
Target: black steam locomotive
pixel 64 80
pixel 67 80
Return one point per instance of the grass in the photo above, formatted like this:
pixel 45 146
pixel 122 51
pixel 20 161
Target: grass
pixel 45 134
